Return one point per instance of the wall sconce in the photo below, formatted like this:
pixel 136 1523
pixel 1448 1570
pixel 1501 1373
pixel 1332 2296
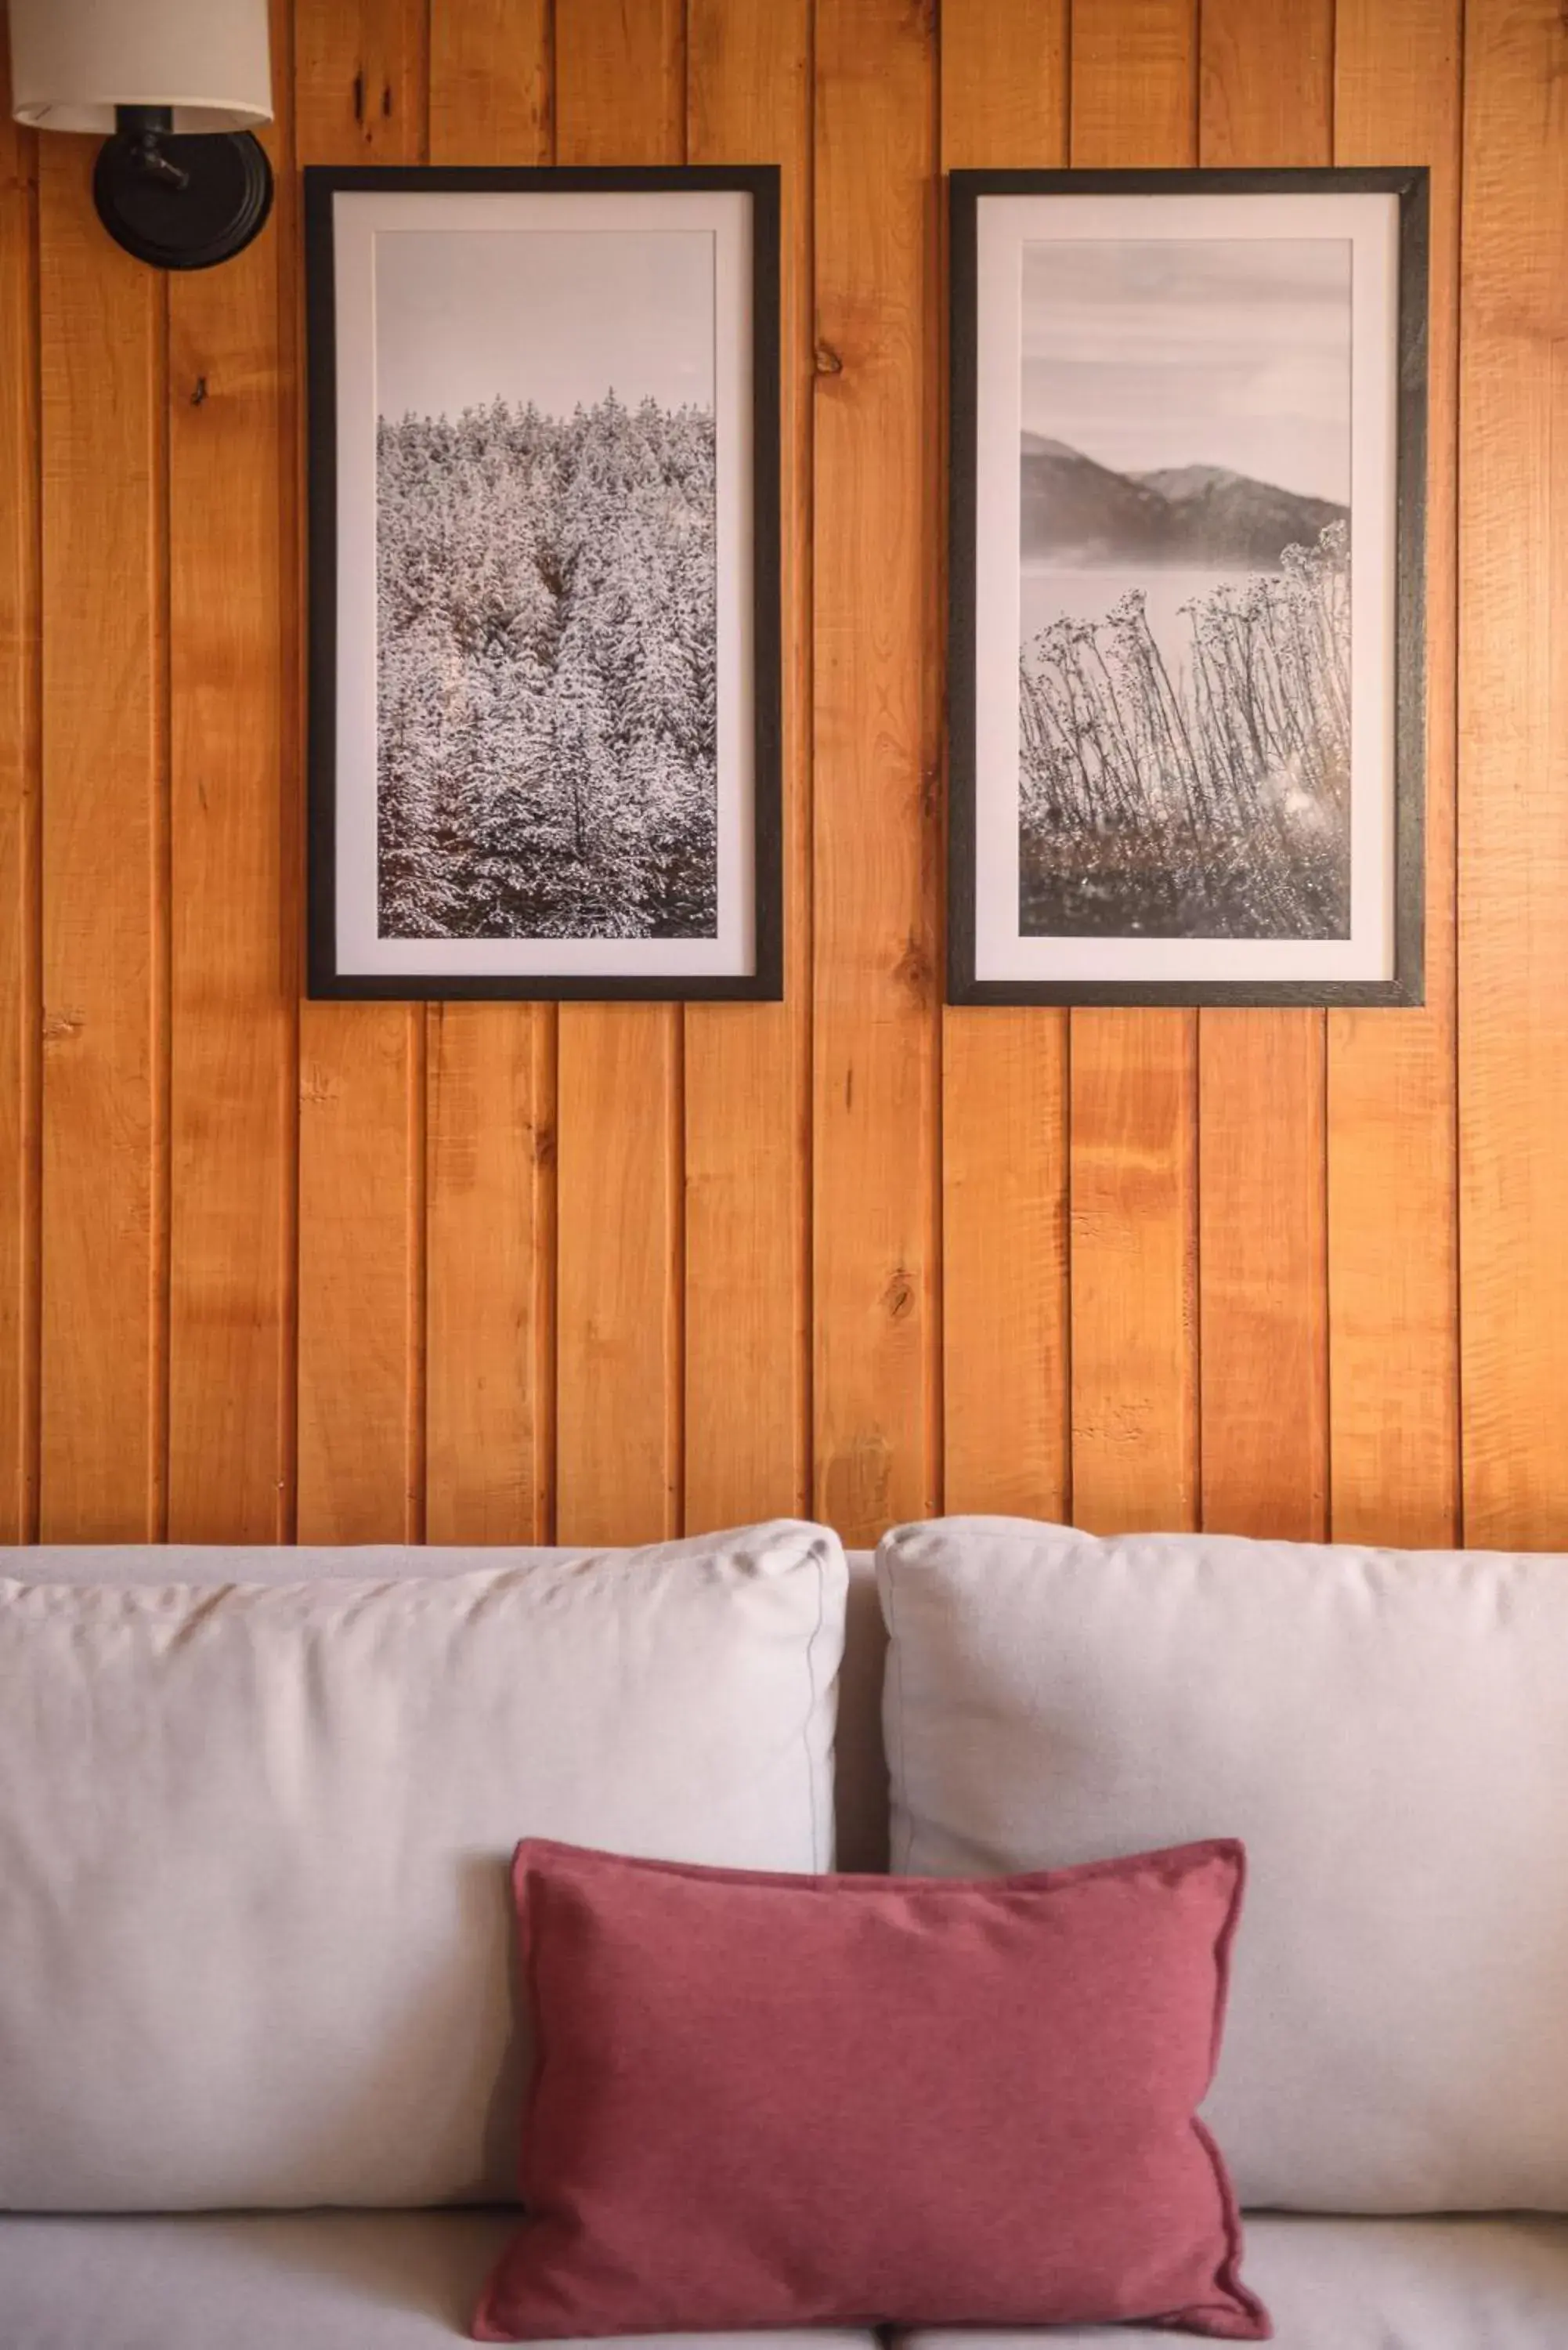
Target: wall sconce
pixel 180 182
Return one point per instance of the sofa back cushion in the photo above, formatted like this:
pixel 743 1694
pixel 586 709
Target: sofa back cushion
pixel 254 1843
pixel 1387 1734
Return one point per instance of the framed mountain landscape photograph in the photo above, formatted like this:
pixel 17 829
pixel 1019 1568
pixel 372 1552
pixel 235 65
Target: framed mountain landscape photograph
pixel 1187 497
pixel 544 752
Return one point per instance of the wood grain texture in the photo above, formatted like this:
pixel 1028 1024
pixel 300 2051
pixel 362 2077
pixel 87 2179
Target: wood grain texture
pixel 490 81
pixel 488 1324
pixel 1133 90
pixel 877 839
pixel 1266 97
pixel 20 752
pixel 359 96
pixel 1005 84
pixel 620 99
pixel 1004 1262
pixel 1004 1086
pixel 102 332
pixel 747 1073
pixel 235 906
pixel 361 86
pixel 1266 82
pixel 490 1198
pixel 620 81
pixel 358 1243
pixel 1134 1072
pixel 1392 1108
pixel 1134 1211
pixel 1513 773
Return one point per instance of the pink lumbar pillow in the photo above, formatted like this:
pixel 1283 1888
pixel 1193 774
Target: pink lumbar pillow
pixel 783 2101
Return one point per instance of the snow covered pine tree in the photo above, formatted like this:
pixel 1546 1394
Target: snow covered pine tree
pixel 546 674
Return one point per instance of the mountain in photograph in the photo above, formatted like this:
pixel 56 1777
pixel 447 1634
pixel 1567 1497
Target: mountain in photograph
pixel 1079 514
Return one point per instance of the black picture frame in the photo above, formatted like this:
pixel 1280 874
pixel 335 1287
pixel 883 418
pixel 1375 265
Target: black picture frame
pixel 1404 986
pixel 325 977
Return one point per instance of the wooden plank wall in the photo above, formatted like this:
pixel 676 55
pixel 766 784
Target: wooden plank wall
pixel 492 1273
pixel 1132 1125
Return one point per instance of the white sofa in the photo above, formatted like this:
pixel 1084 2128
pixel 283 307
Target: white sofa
pixel 204 1786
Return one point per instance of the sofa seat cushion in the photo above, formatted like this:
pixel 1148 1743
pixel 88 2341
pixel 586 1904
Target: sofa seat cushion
pixel 409 2280
pixel 266 2280
pixel 1473 2283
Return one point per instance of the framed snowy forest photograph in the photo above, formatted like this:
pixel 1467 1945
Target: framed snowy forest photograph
pixel 545 701
pixel 1186 634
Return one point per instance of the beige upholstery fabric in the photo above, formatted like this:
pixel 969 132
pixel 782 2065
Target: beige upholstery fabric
pixel 1370 2284
pixel 860 1771
pixel 407 2281
pixel 253 1906
pixel 1387 1733
pixel 321 2281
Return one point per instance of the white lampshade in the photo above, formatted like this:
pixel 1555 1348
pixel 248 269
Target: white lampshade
pixel 73 61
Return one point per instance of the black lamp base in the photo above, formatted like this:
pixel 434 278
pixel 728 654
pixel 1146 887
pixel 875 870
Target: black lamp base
pixel 181 202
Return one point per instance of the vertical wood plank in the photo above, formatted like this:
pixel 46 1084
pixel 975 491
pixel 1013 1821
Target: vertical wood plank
pixel 1266 88
pixel 620 81
pixel 1135 83
pixel 1392 1205
pixel 1134 1319
pixel 359 94
pixel 877 838
pixel 1513 773
pixel 1004 1073
pixel 1266 98
pixel 490 81
pixel 19 816
pixel 1004 1262
pixel 747 1065
pixel 491 1106
pixel 491 1218
pixel 102 324
pixel 1005 94
pixel 1133 1071
pixel 360 80
pixel 620 99
pixel 233 901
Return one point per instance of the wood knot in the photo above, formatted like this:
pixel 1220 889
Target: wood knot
pixel 827 360
pixel 899 1297
pixel 58 1025
pixel 915 968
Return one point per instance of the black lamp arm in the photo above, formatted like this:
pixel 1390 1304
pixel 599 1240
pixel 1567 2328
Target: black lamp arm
pixel 149 127
pixel 181 199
